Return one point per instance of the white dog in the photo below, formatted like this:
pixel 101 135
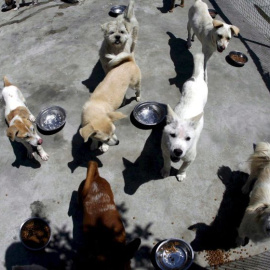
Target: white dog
pixel 120 35
pixel 20 120
pixel 185 123
pixel 256 221
pixel 213 34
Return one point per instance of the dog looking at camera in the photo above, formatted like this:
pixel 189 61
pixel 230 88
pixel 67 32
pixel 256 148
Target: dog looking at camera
pixel 255 224
pixel 213 34
pixel 120 35
pixel 102 225
pixel 20 121
pixel 99 112
pixel 185 123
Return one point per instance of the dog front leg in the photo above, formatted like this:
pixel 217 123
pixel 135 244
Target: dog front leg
pixel 137 88
pixel 42 153
pixel 246 187
pixel 181 174
pixel 94 145
pixel 182 3
pixel 172 5
pixel 165 171
pixel 189 35
pixel 30 152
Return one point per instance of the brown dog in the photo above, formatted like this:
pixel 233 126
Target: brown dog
pixel 102 225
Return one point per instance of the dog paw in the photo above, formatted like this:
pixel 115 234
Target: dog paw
pixel 32 118
pixel 181 177
pixel 44 156
pixel 138 99
pixel 188 44
pixel 164 173
pixel 104 148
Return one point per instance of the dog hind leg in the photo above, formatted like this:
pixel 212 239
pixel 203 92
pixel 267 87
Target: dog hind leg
pixel 189 35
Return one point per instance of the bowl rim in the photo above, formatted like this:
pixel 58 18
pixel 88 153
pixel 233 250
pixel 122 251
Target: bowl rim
pixel 180 240
pixel 158 104
pixel 118 6
pixel 47 108
pixel 237 53
pixel 35 218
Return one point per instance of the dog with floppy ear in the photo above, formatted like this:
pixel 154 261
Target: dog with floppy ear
pixel 102 225
pixel 255 224
pixel 185 123
pixel 213 34
pixel 99 115
pixel 20 121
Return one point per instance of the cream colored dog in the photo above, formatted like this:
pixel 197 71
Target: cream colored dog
pixel 213 34
pixel 20 121
pixel 99 112
pixel 256 221
pixel 120 35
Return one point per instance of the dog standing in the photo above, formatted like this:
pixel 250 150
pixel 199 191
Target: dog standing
pixel 213 34
pixel 99 112
pixel 120 35
pixel 185 123
pixel 102 225
pixel 255 224
pixel 20 121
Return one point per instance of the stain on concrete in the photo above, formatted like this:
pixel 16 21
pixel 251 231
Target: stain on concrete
pixel 55 31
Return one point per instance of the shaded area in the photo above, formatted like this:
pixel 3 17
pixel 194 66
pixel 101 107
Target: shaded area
pixel 222 232
pixel 182 59
pixel 147 166
pixel 95 77
pixel 167 5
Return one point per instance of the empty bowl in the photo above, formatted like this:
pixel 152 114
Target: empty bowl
pixel 35 233
pixel 51 118
pixel 174 254
pixel 149 113
pixel 238 58
pixel 117 10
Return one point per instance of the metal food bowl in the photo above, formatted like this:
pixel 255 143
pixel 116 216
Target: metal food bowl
pixel 35 233
pixel 238 58
pixel 117 10
pixel 149 113
pixel 174 254
pixel 213 13
pixel 51 118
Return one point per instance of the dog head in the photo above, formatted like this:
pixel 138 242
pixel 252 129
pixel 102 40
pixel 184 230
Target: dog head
pixel 263 219
pixel 21 128
pixel 222 34
pixel 102 129
pixel 115 33
pixel 180 133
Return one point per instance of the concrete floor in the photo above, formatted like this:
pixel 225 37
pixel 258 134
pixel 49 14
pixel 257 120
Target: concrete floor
pixel 50 51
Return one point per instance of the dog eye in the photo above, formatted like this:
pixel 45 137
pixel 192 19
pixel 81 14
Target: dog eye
pixel 187 138
pixel 228 38
pixel 220 36
pixel 172 135
pixel 122 32
pixel 111 33
pixel 27 137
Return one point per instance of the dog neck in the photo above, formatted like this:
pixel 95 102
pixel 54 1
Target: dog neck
pixel 18 114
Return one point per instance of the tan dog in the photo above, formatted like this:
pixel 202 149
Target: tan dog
pixel 120 35
pixel 99 112
pixel 173 4
pixel 20 120
pixel 102 225
pixel 256 221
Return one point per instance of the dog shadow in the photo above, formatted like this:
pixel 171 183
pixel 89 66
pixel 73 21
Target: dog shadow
pixel 222 232
pixel 95 78
pixel 147 166
pixel 167 5
pixel 81 153
pixel 182 59
pixel 21 157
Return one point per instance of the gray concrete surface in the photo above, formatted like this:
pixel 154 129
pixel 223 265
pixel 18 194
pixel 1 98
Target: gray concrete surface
pixel 50 51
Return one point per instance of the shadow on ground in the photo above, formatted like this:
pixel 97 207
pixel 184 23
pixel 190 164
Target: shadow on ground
pixel 222 232
pixel 182 59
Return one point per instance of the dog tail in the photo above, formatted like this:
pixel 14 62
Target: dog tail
pixel 198 70
pixel 119 59
pixel 129 11
pixel 6 82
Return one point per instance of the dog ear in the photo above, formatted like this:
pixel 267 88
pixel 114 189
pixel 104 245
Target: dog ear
pixel 217 24
pixel 104 27
pixel 86 132
pixel 12 132
pixel 116 116
pixel 261 208
pixel 235 30
pixel 194 121
pixel 254 146
pixel 131 248
pixel 171 115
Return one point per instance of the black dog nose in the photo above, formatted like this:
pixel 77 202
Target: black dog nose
pixel 178 152
pixel 117 143
pixel 117 37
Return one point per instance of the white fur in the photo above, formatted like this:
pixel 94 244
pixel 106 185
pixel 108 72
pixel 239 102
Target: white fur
pixel 256 221
pixel 185 123
pixel 213 34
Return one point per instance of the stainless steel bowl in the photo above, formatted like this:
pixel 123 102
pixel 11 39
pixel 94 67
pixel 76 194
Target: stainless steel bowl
pixel 238 58
pixel 51 118
pixel 117 10
pixel 35 233
pixel 174 254
pixel 149 113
